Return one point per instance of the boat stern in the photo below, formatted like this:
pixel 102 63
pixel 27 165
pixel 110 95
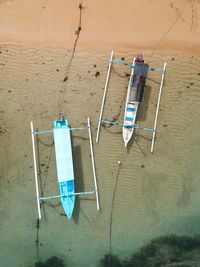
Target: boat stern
pixel 67 197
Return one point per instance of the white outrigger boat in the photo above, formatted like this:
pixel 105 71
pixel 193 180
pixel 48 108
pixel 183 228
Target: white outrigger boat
pixel 135 92
pixel 64 163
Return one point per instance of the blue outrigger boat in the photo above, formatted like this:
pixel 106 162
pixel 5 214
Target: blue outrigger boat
pixel 64 163
pixel 65 172
pixel 135 92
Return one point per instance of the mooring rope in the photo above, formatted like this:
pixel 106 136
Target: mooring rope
pixel 60 107
pixel 66 76
pixel 168 30
pixel 122 159
pixel 61 98
pixel 37 238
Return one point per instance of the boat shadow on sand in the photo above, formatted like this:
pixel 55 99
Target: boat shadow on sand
pixel 143 107
pixel 79 181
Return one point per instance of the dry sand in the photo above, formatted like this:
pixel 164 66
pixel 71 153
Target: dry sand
pixel 154 194
pixel 151 24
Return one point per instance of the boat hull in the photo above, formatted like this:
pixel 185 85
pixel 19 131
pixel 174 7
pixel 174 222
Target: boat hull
pixel 129 119
pixel 134 98
pixel 64 164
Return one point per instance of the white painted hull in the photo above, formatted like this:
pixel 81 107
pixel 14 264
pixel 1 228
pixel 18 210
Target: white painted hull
pixel 129 113
pixel 134 98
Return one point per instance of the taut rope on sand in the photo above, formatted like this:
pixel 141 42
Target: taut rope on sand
pixel 60 106
pixel 66 76
pixel 123 157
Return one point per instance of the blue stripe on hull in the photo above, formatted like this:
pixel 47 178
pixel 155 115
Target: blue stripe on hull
pixel 67 199
pixel 131 109
pixel 129 119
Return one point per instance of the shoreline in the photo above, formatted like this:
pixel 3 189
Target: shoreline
pixel 118 49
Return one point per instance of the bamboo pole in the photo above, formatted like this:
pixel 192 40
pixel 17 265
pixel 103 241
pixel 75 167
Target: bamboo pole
pixel 104 97
pixel 158 105
pixel 35 172
pixel 68 195
pixel 93 162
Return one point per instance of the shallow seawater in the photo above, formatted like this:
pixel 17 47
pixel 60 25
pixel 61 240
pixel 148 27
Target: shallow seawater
pixel 146 196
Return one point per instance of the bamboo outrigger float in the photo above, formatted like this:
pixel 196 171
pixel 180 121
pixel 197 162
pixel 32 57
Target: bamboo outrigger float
pixel 64 163
pixel 139 72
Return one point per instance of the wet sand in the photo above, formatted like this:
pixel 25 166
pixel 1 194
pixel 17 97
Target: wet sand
pixel 154 194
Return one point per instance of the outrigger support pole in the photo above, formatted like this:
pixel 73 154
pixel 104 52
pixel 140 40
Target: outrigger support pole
pixel 35 172
pixel 68 195
pixel 158 105
pixel 104 96
pixel 135 126
pixel 93 163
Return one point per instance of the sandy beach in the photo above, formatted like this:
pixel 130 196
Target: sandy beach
pixel 54 56
pixel 149 24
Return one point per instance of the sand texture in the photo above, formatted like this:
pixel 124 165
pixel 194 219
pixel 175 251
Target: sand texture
pixel 155 24
pixel 45 68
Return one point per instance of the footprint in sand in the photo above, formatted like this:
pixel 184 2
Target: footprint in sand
pixel 192 6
